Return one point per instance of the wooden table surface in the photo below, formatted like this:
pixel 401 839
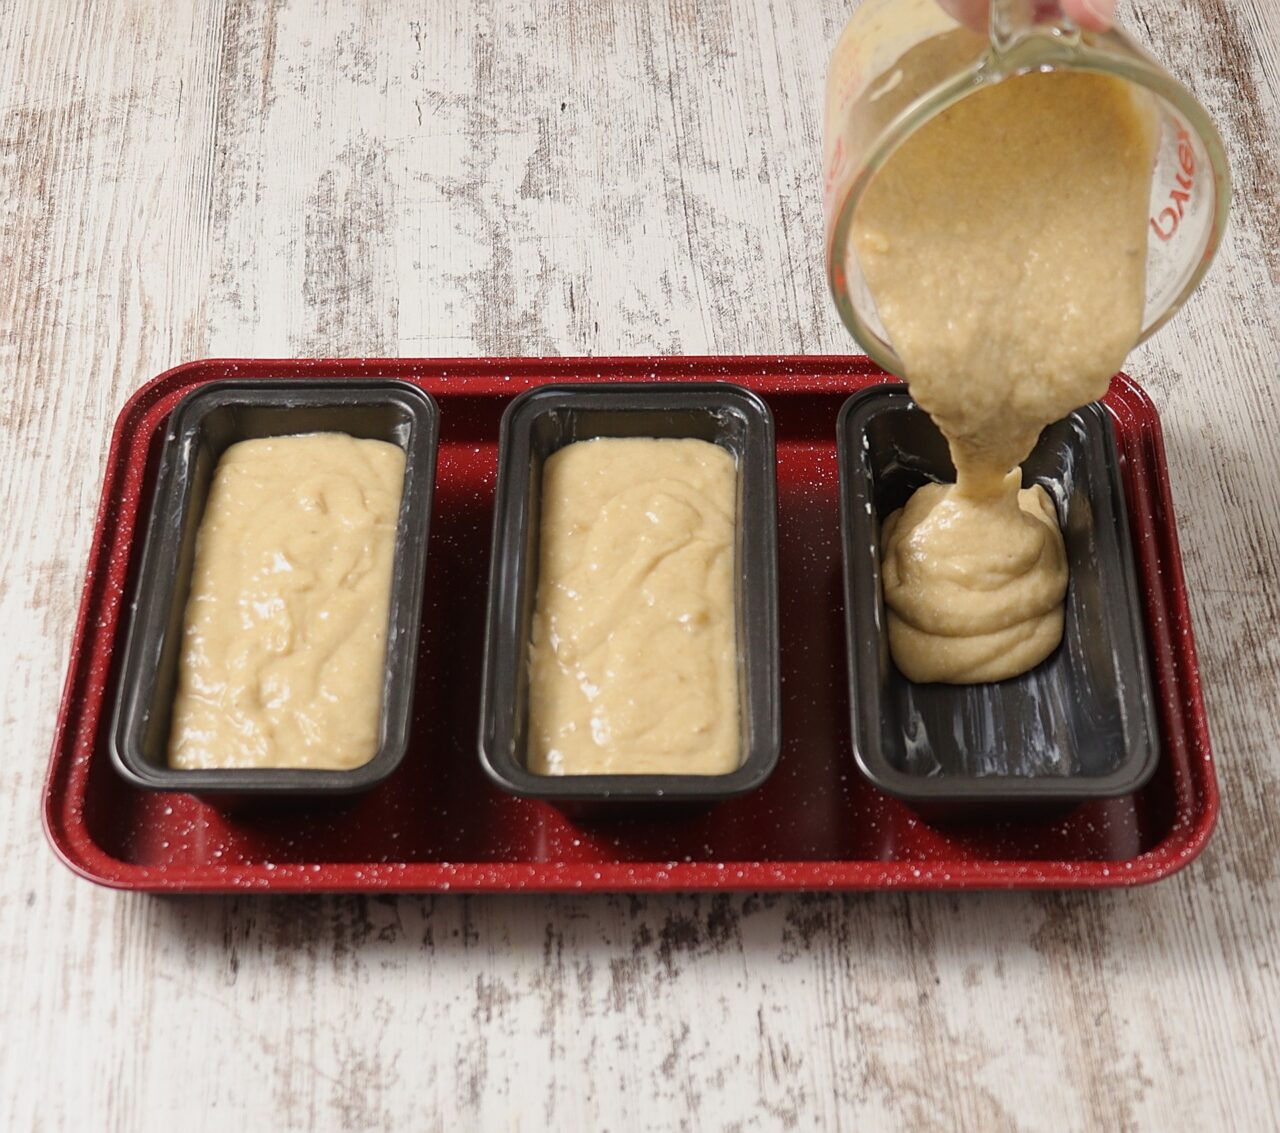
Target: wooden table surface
pixel 444 178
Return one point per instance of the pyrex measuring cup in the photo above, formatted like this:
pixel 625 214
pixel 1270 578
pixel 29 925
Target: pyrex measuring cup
pixel 899 63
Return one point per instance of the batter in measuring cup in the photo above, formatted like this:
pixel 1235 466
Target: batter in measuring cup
pixel 1005 245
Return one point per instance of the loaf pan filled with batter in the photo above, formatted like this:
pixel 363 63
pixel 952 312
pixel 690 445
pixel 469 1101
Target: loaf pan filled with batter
pixel 1081 725
pixel 200 431
pixel 691 734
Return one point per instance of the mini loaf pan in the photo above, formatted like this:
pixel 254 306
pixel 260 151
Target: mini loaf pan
pixel 535 425
pixel 1079 726
pixel 201 428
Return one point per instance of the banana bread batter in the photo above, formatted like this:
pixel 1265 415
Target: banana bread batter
pixel 633 660
pixel 285 630
pixel 1005 246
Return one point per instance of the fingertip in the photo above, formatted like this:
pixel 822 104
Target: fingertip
pixel 971 13
pixel 1092 15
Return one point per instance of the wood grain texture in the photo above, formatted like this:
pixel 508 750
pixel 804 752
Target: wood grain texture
pixel 278 177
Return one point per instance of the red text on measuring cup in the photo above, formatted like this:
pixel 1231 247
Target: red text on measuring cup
pixel 1166 223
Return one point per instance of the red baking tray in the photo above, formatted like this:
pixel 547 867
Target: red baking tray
pixel 438 824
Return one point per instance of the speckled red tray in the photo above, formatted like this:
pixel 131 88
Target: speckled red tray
pixel 438 824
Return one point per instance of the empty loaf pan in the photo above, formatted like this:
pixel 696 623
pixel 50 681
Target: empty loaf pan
pixel 535 425
pixel 200 429
pixel 1079 726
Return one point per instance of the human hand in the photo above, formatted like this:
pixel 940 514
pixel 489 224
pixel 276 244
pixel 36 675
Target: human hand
pixel 1093 15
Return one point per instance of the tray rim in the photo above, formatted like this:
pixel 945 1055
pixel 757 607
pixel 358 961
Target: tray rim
pixel 1197 800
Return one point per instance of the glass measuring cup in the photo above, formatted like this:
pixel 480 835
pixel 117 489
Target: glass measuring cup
pixel 899 63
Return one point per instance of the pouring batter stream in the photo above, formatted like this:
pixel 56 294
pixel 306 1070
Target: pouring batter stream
pixel 1005 245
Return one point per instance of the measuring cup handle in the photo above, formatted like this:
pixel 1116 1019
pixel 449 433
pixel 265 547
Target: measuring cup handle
pixel 1012 21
